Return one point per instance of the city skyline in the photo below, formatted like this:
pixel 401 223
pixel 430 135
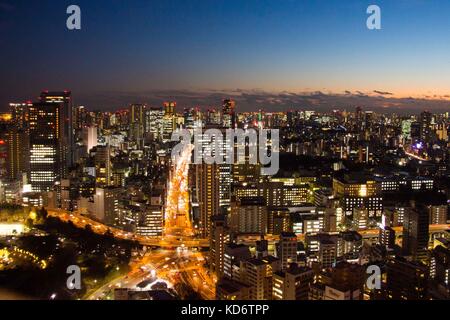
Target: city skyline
pixel 348 205
pixel 226 150
pixel 201 49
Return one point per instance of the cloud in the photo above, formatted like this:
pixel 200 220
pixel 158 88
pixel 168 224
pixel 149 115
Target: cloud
pixel 383 93
pixel 251 100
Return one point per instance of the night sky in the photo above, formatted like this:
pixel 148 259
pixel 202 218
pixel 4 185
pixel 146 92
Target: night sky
pixel 198 51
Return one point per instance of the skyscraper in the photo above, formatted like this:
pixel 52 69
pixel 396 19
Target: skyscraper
pixel 46 146
pixel 136 114
pixel 406 280
pixel 228 114
pixel 154 122
pixel 416 233
pixel 103 167
pixel 287 249
pixel 207 187
pixel 89 137
pixel 425 125
pixel 65 125
pixel 18 158
pixel 218 239
pixel 169 122
pixel 169 108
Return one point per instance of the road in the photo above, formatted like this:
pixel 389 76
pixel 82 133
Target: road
pixel 177 261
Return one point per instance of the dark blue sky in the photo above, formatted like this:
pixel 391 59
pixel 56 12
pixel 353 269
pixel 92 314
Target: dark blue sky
pixel 127 49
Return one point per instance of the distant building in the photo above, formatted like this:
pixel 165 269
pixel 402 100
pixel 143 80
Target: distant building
pixel 89 138
pixel 219 237
pixel 292 284
pixel 287 249
pixel 234 254
pixel 227 289
pixel 106 204
pixel 347 282
pixel 416 233
pixel 258 273
pixel 406 280
pixel 249 215
pixel 387 237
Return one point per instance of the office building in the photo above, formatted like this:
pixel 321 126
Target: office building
pixel 47 151
pixel 416 233
pixel 207 189
pixel 287 249
pixel 65 125
pixel 218 239
pixel 292 284
pixel 406 280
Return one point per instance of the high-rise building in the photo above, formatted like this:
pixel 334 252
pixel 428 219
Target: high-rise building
pixel 249 215
pixel 292 284
pixel 47 152
pixel 440 270
pixel 229 114
pixel 169 124
pixel 18 153
pixel 169 108
pixel 346 283
pixel 218 239
pixel 154 122
pixel 106 204
pixel 103 168
pixel 262 248
pixel 258 273
pixel 192 118
pixel 356 191
pixel 438 214
pixel 406 280
pixel 287 249
pixel 233 256
pixel 207 189
pixel 65 124
pixel 387 237
pixel 425 120
pixel 151 222
pixel 80 117
pixel 406 129
pixel 213 117
pixel 89 137
pixel 327 252
pixel 276 194
pixel 416 233
pixel 19 114
pixel 136 114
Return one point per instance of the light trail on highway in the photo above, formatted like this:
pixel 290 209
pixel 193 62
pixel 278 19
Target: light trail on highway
pixel 177 263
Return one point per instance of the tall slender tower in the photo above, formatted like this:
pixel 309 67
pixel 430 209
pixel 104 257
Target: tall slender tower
pixel 229 114
pixel 137 122
pixel 416 233
pixel 207 186
pixel 63 100
pixel 46 146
